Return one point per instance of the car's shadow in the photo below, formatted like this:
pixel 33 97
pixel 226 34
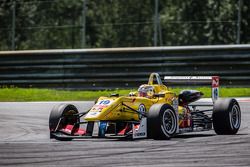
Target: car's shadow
pixel 186 136
pixel 180 136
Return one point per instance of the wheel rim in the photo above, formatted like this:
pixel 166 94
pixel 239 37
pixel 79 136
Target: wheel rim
pixel 234 116
pixel 69 117
pixel 169 122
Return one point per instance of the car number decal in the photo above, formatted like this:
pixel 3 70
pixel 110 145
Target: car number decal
pixel 103 102
pixel 101 105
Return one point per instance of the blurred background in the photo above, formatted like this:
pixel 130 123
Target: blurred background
pixel 56 24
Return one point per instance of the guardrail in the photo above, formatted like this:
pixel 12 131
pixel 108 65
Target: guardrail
pixel 94 69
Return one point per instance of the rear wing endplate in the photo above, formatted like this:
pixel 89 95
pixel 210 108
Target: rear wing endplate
pixel 213 80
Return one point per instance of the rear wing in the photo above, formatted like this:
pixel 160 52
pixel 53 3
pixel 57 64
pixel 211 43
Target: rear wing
pixel 212 80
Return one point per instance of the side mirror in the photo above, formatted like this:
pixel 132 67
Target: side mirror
pixel 159 95
pixel 114 95
pixel 132 94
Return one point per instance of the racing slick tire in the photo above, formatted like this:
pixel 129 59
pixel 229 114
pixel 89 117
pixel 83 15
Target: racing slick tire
pixel 62 115
pixel 226 116
pixel 162 121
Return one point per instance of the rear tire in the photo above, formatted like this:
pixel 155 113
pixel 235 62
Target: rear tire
pixel 162 121
pixel 226 116
pixel 65 113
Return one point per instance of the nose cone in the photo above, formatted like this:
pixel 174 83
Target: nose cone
pixel 100 109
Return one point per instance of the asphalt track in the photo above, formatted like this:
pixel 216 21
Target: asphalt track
pixel 24 141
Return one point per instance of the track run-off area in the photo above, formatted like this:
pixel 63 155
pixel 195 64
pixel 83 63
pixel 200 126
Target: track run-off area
pixel 24 141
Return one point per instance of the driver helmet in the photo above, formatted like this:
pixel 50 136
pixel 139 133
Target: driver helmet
pixel 146 91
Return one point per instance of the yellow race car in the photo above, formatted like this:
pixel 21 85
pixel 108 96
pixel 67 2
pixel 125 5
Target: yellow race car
pixel 151 112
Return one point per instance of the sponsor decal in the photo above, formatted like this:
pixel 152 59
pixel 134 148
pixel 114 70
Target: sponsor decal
pixel 175 105
pixel 142 110
pixel 215 93
pixel 92 114
pixel 215 82
pixel 102 128
pixel 101 105
pixel 142 134
pixel 215 87
pixel 187 77
pixel 140 130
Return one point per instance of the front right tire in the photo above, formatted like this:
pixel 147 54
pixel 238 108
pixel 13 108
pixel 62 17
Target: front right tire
pixel 162 121
pixel 62 115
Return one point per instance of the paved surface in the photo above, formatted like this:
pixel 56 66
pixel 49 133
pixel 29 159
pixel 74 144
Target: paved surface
pixel 24 141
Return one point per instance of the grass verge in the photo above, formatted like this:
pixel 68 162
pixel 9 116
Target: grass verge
pixel 23 95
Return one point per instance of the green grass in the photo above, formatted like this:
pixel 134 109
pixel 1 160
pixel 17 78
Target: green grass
pixel 19 94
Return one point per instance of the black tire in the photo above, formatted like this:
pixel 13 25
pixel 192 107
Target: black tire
pixel 226 116
pixel 157 127
pixel 65 112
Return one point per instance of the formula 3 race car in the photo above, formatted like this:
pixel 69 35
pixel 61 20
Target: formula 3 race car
pixel 151 112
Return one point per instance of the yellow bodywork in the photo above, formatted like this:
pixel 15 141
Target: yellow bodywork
pixel 123 108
